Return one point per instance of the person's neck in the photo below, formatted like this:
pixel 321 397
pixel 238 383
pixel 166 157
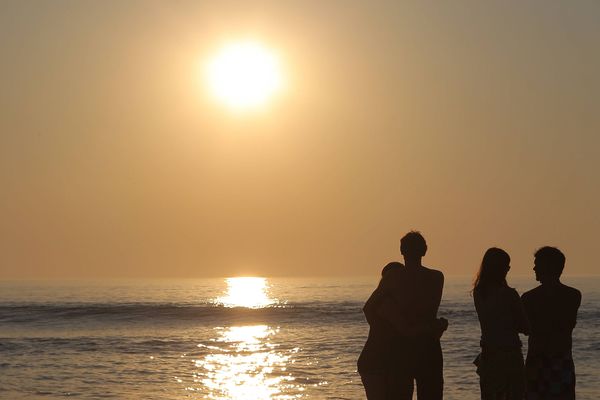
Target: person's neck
pixel 412 263
pixel 551 284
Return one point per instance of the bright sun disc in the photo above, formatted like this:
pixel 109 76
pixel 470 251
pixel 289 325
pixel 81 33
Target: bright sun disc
pixel 251 292
pixel 244 75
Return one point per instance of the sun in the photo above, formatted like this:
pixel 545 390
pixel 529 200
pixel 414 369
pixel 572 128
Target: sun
pixel 244 75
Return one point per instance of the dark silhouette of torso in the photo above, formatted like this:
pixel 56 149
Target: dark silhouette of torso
pixel 416 354
pixel 501 317
pixel 403 345
pixel 376 354
pixel 552 311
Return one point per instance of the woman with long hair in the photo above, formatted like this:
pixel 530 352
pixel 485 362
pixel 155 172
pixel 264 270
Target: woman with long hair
pixel 501 317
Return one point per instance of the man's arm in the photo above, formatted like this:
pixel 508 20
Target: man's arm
pixel 572 303
pixel 439 325
pixel 518 310
pixel 528 310
pixel 436 297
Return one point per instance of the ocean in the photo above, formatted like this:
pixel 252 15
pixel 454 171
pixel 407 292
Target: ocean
pixel 240 338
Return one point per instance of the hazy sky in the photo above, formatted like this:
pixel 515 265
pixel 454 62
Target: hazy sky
pixel 477 123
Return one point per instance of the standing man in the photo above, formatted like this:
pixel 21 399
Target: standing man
pixel 404 337
pixel 416 352
pixel 552 310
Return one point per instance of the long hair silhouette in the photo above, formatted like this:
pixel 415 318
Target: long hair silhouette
pixel 493 270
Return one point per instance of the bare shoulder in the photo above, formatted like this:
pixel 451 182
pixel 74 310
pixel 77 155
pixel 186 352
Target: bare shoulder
pixel 434 274
pixel 571 293
pixel 571 290
pixel 530 294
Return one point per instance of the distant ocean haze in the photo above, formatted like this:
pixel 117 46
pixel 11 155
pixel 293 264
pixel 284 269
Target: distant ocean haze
pixel 249 338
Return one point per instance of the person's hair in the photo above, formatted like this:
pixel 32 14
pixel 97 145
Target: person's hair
pixel 493 270
pixel 552 258
pixel 390 266
pixel 413 244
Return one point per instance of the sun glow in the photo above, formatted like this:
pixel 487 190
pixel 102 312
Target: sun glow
pixel 248 292
pixel 244 75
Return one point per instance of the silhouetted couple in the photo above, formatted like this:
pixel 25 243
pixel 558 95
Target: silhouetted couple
pixel 403 345
pixel 547 314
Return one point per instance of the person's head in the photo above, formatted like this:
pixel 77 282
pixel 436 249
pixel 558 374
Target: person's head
pixel 492 272
pixel 413 246
pixel 549 264
pixel 389 267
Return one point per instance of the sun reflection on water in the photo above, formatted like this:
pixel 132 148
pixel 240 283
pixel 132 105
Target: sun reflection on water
pixel 251 292
pixel 243 363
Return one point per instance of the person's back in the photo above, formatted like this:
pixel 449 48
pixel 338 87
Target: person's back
pixel 553 315
pixel 416 352
pixel 502 318
pixel 421 289
pixel 552 308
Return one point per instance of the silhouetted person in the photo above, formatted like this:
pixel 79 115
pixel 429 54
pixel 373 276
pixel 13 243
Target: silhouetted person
pixel 552 309
pixel 404 336
pixel 502 318
pixel 375 358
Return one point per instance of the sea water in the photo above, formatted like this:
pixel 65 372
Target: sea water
pixel 229 338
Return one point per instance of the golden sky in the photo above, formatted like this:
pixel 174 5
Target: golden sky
pixel 477 124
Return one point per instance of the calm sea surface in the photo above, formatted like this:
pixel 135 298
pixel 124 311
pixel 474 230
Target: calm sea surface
pixel 228 339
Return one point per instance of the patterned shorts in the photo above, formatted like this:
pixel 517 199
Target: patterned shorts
pixel 550 377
